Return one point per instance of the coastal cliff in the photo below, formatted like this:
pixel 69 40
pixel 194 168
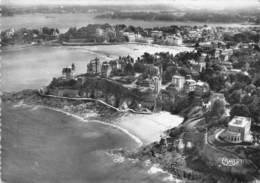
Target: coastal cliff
pixel 110 91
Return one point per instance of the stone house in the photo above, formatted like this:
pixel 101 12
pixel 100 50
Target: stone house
pixel 68 72
pixel 106 69
pixel 94 67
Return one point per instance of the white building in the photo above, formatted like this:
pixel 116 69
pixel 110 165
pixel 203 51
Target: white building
pixel 131 36
pixel 149 40
pixel 10 33
pixel 100 32
pixel 178 81
pixel 201 87
pixel 173 40
pixel 227 53
pixel 156 34
pixel 106 69
pixel 157 84
pixel 238 130
pixel 190 85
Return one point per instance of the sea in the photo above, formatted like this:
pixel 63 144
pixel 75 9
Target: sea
pixel 66 20
pixel 41 145
pixel 32 67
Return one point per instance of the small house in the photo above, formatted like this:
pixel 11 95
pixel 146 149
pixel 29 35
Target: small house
pixel 68 72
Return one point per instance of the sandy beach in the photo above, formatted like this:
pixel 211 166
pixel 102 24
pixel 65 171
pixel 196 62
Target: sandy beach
pixel 133 49
pixel 149 128
pixel 142 128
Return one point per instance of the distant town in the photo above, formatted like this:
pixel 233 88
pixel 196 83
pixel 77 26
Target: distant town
pixel 117 34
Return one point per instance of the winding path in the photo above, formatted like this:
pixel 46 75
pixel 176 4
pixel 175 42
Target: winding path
pixel 95 100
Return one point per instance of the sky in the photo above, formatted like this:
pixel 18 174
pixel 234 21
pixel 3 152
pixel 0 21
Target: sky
pixel 185 3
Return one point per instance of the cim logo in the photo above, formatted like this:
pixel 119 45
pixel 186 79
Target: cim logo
pixel 230 162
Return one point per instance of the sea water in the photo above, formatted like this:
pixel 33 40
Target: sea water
pixel 41 145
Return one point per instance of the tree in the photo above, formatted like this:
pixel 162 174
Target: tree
pixel 254 108
pixel 242 78
pixel 148 58
pixel 47 31
pixel 250 88
pixel 218 108
pixel 247 99
pixel 139 67
pixel 240 110
pixel 129 69
pixel 170 71
pixel 257 82
pixel 235 97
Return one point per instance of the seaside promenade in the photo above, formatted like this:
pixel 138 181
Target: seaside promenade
pixel 95 100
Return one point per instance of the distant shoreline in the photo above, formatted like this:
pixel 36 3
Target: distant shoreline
pixel 185 22
pixel 24 46
pixel 88 44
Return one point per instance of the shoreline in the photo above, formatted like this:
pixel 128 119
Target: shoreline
pixel 80 118
pixel 141 128
pixel 134 137
pixel 16 47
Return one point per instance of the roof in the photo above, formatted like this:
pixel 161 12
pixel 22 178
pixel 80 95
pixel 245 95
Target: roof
pixel 156 31
pixel 239 121
pixel 200 83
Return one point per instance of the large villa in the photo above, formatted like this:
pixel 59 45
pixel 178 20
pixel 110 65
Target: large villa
pixel 238 130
